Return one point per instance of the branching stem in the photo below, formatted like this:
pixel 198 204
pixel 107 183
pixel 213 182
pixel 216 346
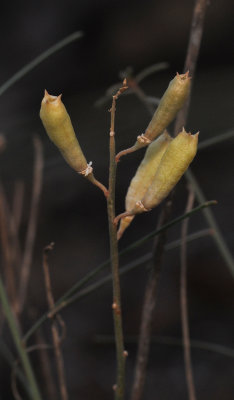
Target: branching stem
pixel 116 306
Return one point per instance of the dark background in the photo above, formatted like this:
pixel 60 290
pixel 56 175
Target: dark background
pixel 118 34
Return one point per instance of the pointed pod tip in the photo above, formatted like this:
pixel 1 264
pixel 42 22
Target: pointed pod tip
pixel 183 77
pixel 50 99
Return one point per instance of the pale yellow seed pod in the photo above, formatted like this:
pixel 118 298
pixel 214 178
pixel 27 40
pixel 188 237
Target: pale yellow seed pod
pixel 143 177
pixel 173 165
pixel 171 102
pixel 59 128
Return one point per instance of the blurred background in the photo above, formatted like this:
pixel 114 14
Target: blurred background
pixel 72 213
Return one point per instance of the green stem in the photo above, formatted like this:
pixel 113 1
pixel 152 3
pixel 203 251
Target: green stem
pixel 35 395
pixel 117 313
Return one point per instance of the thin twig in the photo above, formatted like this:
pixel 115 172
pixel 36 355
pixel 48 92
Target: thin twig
pixel 55 334
pixel 193 49
pixel 144 340
pixel 183 302
pixel 116 306
pixel 133 85
pixel 32 224
pixel 45 364
pixel 63 301
pixel 17 206
pixel 148 309
pixel 191 59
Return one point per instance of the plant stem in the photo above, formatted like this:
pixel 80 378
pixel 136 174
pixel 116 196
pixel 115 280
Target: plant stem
pixel 35 395
pixel 184 303
pixel 68 298
pixel 193 49
pixel 116 306
pixel 55 334
pixel 149 304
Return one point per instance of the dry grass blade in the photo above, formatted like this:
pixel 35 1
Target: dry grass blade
pixel 30 66
pixel 174 341
pixel 152 69
pixel 32 224
pixel 216 139
pixel 217 234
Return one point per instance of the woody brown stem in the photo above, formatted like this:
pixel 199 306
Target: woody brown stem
pixel 54 329
pixel 183 302
pixel 148 308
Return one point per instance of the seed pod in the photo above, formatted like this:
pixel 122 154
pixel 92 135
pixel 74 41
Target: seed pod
pixel 173 165
pixel 144 176
pixel 171 102
pixel 58 126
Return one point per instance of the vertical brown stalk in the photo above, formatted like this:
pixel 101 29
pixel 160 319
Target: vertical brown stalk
pixel 193 49
pixel 45 365
pixel 196 32
pixel 183 301
pixel 149 307
pixel 54 329
pixel 190 64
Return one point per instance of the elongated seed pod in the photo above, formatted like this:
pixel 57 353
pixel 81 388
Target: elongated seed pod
pixel 58 126
pixel 174 163
pixel 171 102
pixel 143 177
